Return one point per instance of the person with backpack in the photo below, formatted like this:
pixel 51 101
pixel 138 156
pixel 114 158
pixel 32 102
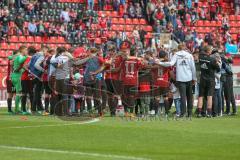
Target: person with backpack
pixel 18 61
pixel 36 69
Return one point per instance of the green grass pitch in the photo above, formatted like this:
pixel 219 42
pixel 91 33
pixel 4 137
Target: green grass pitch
pixel 114 138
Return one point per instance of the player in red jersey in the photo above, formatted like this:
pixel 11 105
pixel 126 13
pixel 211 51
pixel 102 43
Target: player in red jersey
pixel 161 82
pixel 26 81
pixel 130 68
pixel 46 84
pixel 10 88
pixel 145 83
pixel 112 68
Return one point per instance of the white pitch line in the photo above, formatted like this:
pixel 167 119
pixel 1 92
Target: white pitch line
pixel 56 125
pixel 111 156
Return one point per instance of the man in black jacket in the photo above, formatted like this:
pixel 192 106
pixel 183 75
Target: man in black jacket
pixel 207 79
pixel 227 87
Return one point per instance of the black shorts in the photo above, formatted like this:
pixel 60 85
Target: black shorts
pixel 160 91
pixel 10 87
pixel 130 90
pixel 27 87
pixel 114 86
pixel 46 87
pixel 206 87
pixel 129 95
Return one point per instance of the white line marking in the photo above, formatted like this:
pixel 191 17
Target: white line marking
pixel 111 156
pixel 56 125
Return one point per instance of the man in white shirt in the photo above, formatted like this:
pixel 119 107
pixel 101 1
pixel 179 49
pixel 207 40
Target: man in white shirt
pixel 185 77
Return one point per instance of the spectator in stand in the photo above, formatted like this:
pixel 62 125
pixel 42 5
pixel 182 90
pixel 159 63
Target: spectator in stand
pixel 73 15
pixel 123 2
pixel 116 4
pixel 194 16
pixel 5 20
pixel 237 6
pixel 18 4
pixel 41 28
pixel 157 28
pixel 189 4
pixel 109 22
pixel 90 4
pixel 203 14
pixel 173 18
pixel 225 22
pixel 135 34
pixel 32 28
pixel 150 10
pixel 199 40
pixel 64 30
pixel 179 35
pixel 131 10
pixel 142 34
pixel 101 4
pixel 138 9
pixel 31 8
pixel 19 21
pixel 158 15
pixel 213 11
pixel 64 15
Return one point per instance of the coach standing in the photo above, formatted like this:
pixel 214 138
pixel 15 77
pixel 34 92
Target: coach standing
pixel 185 77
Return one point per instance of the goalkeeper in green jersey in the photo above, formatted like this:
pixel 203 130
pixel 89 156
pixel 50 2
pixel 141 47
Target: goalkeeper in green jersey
pixel 18 61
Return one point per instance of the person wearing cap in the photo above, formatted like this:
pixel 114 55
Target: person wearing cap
pixel 185 77
pixel 209 66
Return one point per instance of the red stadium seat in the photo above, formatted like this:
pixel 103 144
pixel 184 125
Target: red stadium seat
pixel 114 14
pixel 98 41
pixel 129 28
pixel 135 21
pixel 22 39
pixel 60 40
pixel 30 39
pixel 232 18
pixel 238 17
pixel 200 23
pixel 114 20
pixel 4 45
pixel 120 27
pixel 13 46
pixel 233 24
pixel 38 39
pixel 207 23
pixel 148 28
pixel 121 21
pixel 52 40
pixel 128 21
pixel 13 39
pixel 142 21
